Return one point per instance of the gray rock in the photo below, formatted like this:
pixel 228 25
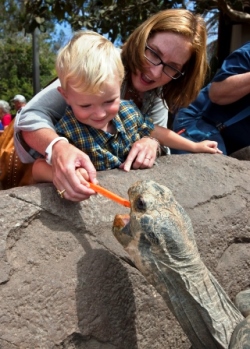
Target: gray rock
pixel 242 154
pixel 65 282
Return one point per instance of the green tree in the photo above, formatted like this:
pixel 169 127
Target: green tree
pixel 116 18
pixel 235 10
pixel 10 17
pixel 16 56
pixel 16 66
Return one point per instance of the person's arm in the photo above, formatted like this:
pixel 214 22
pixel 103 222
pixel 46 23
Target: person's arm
pixel 36 124
pixel 231 89
pixel 41 171
pixel 41 112
pixel 65 159
pixel 232 81
pixel 173 140
pixel 39 139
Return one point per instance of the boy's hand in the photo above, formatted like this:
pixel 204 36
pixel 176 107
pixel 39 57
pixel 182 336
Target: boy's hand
pixel 142 155
pixel 207 147
pixel 83 176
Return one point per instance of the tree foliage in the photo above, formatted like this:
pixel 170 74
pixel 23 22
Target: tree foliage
pixel 16 54
pixel 236 10
pixel 114 18
pixel 118 18
pixel 16 66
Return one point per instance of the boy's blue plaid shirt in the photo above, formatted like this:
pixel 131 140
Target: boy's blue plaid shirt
pixel 107 151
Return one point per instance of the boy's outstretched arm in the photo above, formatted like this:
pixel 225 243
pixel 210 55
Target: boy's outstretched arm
pixel 42 172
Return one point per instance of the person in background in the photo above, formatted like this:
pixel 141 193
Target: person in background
pixel 163 57
pixel 218 103
pixel 95 120
pixel 5 115
pixel 19 102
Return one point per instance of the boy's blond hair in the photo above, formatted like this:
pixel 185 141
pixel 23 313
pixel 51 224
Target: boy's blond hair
pixel 87 62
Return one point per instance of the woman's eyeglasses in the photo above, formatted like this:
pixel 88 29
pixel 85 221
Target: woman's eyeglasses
pixel 153 58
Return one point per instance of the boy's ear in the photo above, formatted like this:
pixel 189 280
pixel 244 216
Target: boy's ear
pixel 63 93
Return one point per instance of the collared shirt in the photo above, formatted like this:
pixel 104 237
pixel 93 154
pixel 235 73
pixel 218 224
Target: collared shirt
pixel 107 150
pixel 46 108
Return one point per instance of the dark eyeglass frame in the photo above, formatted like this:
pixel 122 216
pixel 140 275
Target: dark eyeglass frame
pixel 178 72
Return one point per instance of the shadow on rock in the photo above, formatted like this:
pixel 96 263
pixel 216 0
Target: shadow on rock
pixel 104 299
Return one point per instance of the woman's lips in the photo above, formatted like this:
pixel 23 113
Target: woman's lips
pixel 146 79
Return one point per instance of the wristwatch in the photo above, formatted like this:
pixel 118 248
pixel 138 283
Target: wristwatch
pixel 48 150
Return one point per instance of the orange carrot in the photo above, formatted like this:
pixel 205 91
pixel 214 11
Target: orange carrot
pixel 109 194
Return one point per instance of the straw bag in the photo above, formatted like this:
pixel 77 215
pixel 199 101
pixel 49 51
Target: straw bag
pixel 13 173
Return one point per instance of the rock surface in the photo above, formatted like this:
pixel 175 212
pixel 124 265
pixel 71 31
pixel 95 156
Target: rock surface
pixel 65 282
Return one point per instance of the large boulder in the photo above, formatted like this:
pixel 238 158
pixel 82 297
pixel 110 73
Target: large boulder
pixel 65 282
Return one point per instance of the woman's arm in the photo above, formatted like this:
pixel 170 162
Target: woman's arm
pixel 41 112
pixel 65 160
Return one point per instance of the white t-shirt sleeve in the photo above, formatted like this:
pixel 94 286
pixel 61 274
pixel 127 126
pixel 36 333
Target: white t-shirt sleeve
pixel 42 111
pixel 159 112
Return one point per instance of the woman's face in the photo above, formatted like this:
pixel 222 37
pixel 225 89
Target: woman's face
pixel 173 49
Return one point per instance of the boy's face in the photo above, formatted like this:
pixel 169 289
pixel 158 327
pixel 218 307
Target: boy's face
pixel 95 110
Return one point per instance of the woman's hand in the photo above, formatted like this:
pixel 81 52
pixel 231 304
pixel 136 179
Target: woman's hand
pixel 207 147
pixel 142 154
pixel 65 160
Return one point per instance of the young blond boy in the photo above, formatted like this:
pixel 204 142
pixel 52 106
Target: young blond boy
pixel 90 71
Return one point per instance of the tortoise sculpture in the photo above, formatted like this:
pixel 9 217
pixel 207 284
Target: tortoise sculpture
pixel 159 238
